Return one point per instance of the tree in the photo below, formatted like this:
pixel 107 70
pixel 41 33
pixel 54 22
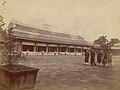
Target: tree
pixel 104 43
pixel 9 52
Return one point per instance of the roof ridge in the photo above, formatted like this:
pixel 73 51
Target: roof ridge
pixel 24 24
pixel 53 32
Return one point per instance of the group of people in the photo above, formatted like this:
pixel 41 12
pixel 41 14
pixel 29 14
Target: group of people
pixel 102 57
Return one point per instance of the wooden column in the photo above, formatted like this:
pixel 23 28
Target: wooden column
pixel 75 49
pixel 47 48
pixel 57 48
pixel 60 48
pixel 35 47
pixel 21 45
pixel 67 49
pixel 81 50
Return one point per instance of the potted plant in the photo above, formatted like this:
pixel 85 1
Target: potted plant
pixel 14 76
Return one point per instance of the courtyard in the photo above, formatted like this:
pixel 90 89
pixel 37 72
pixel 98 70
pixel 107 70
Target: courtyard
pixel 69 73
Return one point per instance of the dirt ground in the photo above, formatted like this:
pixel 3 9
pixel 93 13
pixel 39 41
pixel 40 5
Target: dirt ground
pixel 69 73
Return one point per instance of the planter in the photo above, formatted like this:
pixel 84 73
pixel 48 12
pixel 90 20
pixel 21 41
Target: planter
pixel 17 77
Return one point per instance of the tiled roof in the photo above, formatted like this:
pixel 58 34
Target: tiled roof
pixel 23 31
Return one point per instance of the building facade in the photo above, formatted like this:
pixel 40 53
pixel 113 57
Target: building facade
pixel 116 49
pixel 37 41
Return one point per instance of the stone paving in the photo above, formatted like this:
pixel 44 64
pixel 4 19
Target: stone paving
pixel 70 73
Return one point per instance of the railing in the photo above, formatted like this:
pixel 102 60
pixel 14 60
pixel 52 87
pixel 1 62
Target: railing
pixel 51 53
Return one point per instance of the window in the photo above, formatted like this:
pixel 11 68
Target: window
pixel 28 48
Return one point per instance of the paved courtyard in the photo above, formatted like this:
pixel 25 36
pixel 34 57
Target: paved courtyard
pixel 69 73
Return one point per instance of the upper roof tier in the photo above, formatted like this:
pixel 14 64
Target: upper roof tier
pixel 28 32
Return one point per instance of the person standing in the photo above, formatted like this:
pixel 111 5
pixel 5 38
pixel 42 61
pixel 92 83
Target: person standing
pixel 42 53
pixel 27 52
pixel 99 57
pixel 92 57
pixel 55 52
pixel 110 63
pixel 104 62
pixel 86 56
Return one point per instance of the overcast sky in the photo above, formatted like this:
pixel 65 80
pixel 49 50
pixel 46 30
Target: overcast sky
pixel 88 18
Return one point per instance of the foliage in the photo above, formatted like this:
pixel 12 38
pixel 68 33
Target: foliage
pixel 104 43
pixel 10 51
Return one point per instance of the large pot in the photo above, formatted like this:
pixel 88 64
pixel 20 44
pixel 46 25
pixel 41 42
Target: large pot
pixel 17 77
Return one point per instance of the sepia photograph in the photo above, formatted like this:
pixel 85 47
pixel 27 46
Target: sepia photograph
pixel 59 44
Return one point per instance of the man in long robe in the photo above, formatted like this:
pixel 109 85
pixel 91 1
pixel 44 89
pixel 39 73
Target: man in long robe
pixel 86 57
pixel 92 57
pixel 99 57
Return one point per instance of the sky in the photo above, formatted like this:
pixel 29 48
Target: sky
pixel 87 18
